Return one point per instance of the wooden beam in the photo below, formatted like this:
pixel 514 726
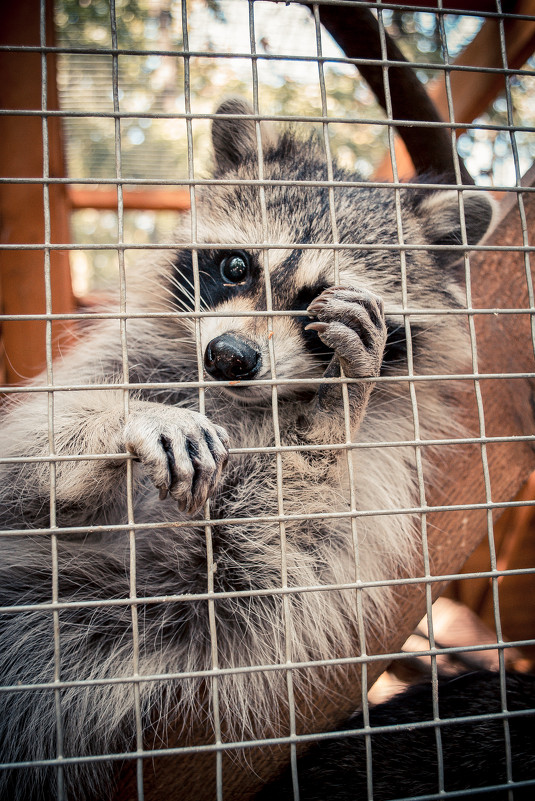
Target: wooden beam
pixel 508 6
pixel 22 205
pixel 133 199
pixel 356 30
pixel 473 92
pixel 515 548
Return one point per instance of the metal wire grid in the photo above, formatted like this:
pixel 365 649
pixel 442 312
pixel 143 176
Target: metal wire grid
pixel 422 508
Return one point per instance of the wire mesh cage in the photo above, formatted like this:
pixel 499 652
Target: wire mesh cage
pixel 289 396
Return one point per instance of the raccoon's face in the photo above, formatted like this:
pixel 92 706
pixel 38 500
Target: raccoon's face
pixel 257 296
pixel 258 329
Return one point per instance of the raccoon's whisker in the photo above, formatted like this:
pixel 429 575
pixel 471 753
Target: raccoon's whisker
pixel 168 291
pixel 322 353
pixel 311 368
pixel 183 304
pixel 184 290
pixel 187 281
pixel 189 297
pixel 157 287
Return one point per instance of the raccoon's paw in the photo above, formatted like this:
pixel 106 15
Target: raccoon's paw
pixel 351 322
pixel 182 451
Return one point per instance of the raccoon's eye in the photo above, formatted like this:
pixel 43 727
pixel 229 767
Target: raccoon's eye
pixel 234 267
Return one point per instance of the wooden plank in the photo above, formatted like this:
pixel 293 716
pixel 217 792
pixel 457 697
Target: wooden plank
pixel 133 199
pixel 515 548
pixel 22 205
pixel 473 92
pixel 459 5
pixel 356 30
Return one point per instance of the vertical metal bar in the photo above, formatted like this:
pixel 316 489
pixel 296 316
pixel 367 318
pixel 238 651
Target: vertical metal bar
pixel 529 282
pixel 518 175
pixel 275 415
pixel 347 423
pixel 126 401
pixel 210 565
pixel 481 414
pixel 415 413
pixel 50 397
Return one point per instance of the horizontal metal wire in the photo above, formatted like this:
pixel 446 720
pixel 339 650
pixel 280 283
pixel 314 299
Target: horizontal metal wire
pixel 173 315
pixel 312 118
pixel 368 246
pixel 297 738
pixel 387 657
pixel 266 182
pixel 238 521
pixel 472 791
pixel 245 56
pixel 406 7
pixel 263 593
pixel 266 382
pixel 177 314
pixel 273 449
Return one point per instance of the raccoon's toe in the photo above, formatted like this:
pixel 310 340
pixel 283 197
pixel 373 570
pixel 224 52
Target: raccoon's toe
pixel 351 322
pixel 182 451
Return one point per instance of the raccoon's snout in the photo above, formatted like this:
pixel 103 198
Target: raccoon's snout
pixel 230 356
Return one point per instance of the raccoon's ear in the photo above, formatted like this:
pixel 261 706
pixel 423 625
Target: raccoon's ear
pixel 234 141
pixel 440 215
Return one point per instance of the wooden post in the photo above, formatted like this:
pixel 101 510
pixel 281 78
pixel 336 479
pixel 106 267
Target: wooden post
pixel 22 205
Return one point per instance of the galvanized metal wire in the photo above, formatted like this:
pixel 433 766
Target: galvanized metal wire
pixel 418 443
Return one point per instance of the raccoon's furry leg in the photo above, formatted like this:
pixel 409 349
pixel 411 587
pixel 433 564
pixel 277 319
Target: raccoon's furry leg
pixel 95 643
pixel 351 322
pixel 84 423
pixel 181 451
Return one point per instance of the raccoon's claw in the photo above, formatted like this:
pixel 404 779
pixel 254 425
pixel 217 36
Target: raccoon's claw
pixel 182 451
pixel 351 322
pixel 320 328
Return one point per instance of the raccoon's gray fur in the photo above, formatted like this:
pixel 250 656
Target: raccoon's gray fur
pixel 183 454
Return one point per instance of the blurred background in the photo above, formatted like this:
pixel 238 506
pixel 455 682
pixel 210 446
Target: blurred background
pixel 151 84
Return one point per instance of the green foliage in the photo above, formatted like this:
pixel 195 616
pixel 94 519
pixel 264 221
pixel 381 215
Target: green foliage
pixel 87 22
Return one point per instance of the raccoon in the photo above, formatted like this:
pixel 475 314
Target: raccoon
pixel 299 343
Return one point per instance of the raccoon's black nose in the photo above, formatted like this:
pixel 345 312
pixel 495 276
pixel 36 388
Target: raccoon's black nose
pixel 230 357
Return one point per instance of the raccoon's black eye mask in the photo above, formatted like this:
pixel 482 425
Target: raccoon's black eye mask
pixel 223 274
